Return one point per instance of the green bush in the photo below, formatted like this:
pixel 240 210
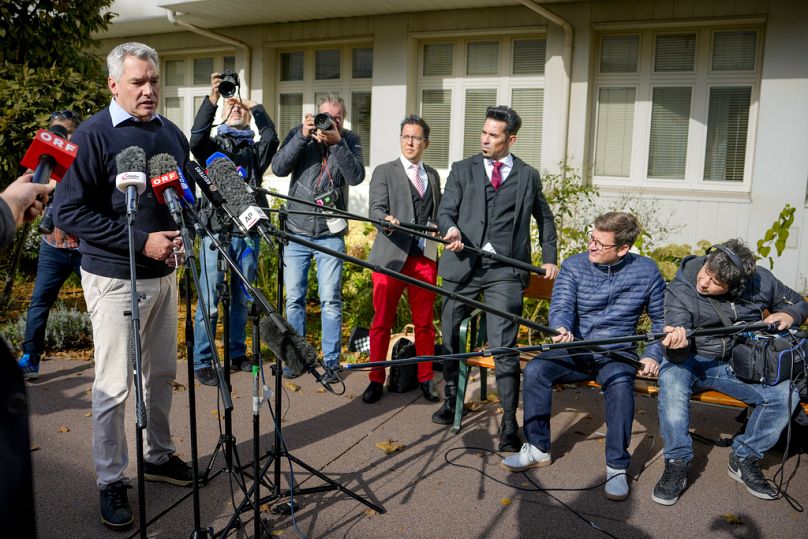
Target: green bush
pixel 67 329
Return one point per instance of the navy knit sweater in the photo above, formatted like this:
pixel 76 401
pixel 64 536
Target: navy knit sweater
pixel 91 207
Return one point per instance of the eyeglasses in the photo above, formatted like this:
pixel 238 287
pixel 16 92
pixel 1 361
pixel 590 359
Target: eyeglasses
pixel 598 245
pixel 410 138
pixel 65 115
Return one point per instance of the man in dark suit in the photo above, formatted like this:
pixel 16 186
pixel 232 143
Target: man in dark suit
pixel 487 203
pixel 404 190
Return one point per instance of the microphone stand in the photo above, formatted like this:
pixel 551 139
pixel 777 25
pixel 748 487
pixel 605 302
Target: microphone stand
pixel 140 405
pixel 413 229
pixel 279 450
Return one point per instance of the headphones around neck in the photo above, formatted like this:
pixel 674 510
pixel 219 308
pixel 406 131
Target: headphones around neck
pixel 736 261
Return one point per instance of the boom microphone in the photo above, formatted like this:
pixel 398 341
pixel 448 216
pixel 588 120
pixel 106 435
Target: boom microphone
pixel 235 192
pixel 50 154
pixel 210 190
pixel 165 181
pixel 131 178
pixel 288 345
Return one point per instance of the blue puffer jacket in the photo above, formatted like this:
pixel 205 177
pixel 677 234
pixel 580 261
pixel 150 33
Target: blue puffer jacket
pixel 597 301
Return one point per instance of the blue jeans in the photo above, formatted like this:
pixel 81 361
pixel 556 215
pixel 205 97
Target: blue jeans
pixel 296 260
pixel 677 381
pixel 247 259
pixel 617 383
pixel 53 269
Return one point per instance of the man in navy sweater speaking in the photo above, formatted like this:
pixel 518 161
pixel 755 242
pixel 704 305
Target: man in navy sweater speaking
pixel 93 209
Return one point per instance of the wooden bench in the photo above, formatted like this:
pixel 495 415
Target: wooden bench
pixel 472 336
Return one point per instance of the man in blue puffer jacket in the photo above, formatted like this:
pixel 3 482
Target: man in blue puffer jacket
pixel 598 294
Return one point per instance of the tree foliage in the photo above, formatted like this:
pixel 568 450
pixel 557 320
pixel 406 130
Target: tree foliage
pixel 46 68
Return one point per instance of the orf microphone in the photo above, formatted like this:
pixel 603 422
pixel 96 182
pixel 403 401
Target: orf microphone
pixel 165 181
pixel 131 178
pixel 288 345
pixel 50 154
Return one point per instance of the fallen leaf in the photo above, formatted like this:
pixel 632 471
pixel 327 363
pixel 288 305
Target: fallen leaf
pixel 88 414
pixel 320 390
pixel 214 413
pixel 264 508
pixel 370 513
pixel 88 391
pixel 473 406
pixel 492 397
pixel 35 447
pixel 505 501
pixel 179 387
pixel 277 533
pixel 291 386
pixel 390 446
pixel 63 429
pixel 731 518
pixel 641 412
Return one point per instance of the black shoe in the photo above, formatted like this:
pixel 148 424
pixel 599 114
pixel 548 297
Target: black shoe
pixel 445 414
pixel 289 374
pixel 509 439
pixel 373 392
pixel 672 483
pixel 747 471
pixel 173 471
pixel 241 363
pixel 331 375
pixel 207 376
pixel 428 391
pixel 115 511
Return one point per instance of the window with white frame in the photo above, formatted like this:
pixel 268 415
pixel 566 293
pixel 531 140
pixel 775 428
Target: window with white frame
pixel 306 74
pixel 676 108
pixel 459 79
pixel 185 82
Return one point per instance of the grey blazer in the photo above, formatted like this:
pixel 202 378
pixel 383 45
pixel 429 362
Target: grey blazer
pixel 463 206
pixel 390 195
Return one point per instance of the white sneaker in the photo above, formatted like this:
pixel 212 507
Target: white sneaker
pixel 616 487
pixel 528 457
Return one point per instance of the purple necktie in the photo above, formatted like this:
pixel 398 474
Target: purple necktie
pixel 496 174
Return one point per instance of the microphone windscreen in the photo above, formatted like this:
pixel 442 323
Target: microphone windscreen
pixel 59 130
pixel 131 159
pixel 160 164
pixel 231 186
pixel 293 349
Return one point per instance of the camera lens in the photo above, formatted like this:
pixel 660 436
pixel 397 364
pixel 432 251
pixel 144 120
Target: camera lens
pixel 323 121
pixel 229 84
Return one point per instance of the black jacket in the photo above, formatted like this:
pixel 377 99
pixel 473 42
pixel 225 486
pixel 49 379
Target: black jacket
pixel 685 307
pixel 255 158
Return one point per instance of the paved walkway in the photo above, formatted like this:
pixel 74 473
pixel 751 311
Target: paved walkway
pixel 438 485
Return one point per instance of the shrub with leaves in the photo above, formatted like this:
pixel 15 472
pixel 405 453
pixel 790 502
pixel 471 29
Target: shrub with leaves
pixel 67 329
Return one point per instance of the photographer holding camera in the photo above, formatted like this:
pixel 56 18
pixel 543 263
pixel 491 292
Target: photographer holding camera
pixel 323 159
pixel 58 257
pixel 236 140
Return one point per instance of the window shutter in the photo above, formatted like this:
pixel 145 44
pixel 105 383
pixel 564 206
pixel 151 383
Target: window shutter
pixel 438 59
pixel 620 54
pixel 529 56
pixel 615 129
pixel 362 63
pixel 327 64
pixel 734 51
pixel 290 114
pixel 229 62
pixel 175 73
pixel 529 103
pixel 675 52
pixel 172 109
pixel 727 127
pixel 670 116
pixel 436 109
pixel 203 67
pixel 483 58
pixel 292 66
pixel 360 121
pixel 477 101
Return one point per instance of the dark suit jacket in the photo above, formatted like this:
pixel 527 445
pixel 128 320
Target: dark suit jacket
pixel 390 195
pixel 463 206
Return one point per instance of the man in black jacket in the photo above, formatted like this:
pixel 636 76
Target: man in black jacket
pixel 487 203
pixel 323 162
pixel 236 140
pixel 722 288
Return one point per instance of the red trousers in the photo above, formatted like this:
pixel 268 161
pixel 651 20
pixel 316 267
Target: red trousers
pixel 386 293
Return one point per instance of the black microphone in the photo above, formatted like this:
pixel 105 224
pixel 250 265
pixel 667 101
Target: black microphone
pixel 292 348
pixel 210 190
pixel 131 179
pixel 165 181
pixel 236 193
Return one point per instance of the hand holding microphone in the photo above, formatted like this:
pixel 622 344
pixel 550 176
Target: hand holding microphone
pixel 50 154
